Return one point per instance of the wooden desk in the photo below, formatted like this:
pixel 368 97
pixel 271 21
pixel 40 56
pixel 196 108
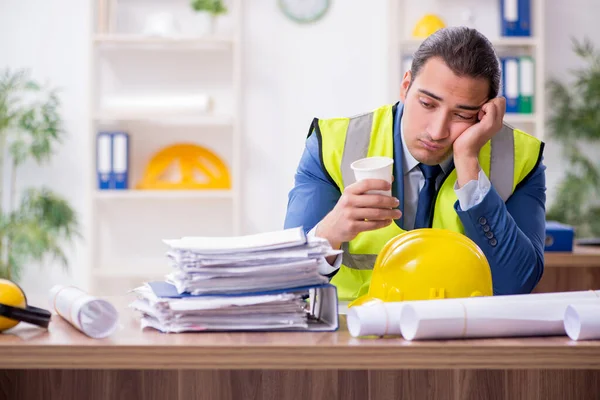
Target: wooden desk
pixel 579 270
pixel 64 364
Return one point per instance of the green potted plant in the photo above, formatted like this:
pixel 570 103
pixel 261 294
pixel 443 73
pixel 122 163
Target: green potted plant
pixel 207 11
pixel 35 223
pixel 574 124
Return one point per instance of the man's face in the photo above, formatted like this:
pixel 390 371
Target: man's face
pixel 438 108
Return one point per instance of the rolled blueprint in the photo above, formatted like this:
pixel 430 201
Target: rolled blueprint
pixel 582 320
pixel 378 319
pixel 457 318
pixel 381 319
pixel 95 317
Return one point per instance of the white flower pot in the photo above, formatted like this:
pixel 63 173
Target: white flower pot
pixel 204 23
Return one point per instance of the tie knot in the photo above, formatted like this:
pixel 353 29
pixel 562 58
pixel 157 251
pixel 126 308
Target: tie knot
pixel 430 171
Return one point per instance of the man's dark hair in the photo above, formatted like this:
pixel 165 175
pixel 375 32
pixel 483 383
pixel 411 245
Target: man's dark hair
pixel 465 51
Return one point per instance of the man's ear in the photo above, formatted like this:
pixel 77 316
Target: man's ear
pixel 405 85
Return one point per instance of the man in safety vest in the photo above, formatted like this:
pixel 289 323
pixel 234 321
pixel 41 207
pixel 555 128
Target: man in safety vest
pixel 457 166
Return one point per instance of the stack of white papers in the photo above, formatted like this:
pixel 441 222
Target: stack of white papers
pixel 267 281
pixel 163 310
pixel 246 264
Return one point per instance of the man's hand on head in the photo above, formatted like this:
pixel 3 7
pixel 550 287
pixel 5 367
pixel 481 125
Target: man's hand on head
pixel 467 146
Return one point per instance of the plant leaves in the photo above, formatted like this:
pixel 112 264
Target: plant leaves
pixel 574 122
pixel 38 229
pixel 29 117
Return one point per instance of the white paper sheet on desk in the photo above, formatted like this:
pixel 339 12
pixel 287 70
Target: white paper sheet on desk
pixel 244 284
pixel 168 328
pixel 190 265
pixel 210 302
pixel 189 257
pixel 384 318
pixel 258 242
pixel 263 312
pixel 182 322
pixel 273 311
pixel 309 250
pixel 252 272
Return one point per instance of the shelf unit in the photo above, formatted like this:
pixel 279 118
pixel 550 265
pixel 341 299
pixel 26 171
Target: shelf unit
pixel 162 194
pixel 127 226
pixel 404 14
pixel 121 40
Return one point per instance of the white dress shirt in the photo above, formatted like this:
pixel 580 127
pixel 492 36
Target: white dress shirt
pixel 469 195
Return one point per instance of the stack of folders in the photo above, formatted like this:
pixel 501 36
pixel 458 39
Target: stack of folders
pixel 267 281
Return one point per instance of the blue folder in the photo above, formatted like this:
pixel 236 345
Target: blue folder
pixel 323 317
pixel 524 20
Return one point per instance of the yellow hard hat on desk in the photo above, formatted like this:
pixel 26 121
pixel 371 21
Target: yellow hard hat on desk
pixel 425 264
pixel 14 308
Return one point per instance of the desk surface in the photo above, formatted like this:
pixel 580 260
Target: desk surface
pixel 582 256
pixel 62 346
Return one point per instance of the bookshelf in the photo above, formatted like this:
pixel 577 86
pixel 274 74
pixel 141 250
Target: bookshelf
pixel 485 16
pixel 127 225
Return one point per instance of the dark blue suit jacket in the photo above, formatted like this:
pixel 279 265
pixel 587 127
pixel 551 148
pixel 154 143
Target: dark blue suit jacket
pixel 514 248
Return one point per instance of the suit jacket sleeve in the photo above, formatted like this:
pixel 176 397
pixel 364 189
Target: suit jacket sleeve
pixel 314 193
pixel 511 235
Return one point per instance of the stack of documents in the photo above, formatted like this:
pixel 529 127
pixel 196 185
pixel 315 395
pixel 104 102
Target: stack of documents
pixel 267 281
pixel 246 264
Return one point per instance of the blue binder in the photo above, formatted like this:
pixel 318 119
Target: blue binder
pixel 104 160
pixel 509 17
pixel 559 237
pixel 524 18
pixel 120 160
pixel 510 81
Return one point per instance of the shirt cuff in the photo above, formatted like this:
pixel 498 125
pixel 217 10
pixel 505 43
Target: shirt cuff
pixel 473 192
pixel 324 267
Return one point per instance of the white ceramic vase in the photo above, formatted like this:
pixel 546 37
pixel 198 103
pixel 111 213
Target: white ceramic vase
pixel 204 23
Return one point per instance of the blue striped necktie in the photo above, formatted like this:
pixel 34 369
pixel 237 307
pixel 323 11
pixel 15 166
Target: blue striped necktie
pixel 426 195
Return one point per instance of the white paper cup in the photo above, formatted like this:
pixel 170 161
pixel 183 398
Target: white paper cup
pixel 374 168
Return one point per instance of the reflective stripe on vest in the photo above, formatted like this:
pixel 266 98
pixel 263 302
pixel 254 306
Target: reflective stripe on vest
pixel 502 163
pixel 357 261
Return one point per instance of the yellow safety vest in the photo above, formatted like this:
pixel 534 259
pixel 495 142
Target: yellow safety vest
pixel 507 160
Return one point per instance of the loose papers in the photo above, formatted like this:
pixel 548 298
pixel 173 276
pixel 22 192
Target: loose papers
pixel 276 310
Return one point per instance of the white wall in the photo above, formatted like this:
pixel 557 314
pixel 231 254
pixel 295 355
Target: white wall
pixel 292 73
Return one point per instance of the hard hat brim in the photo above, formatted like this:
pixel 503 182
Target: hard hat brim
pixel 364 300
